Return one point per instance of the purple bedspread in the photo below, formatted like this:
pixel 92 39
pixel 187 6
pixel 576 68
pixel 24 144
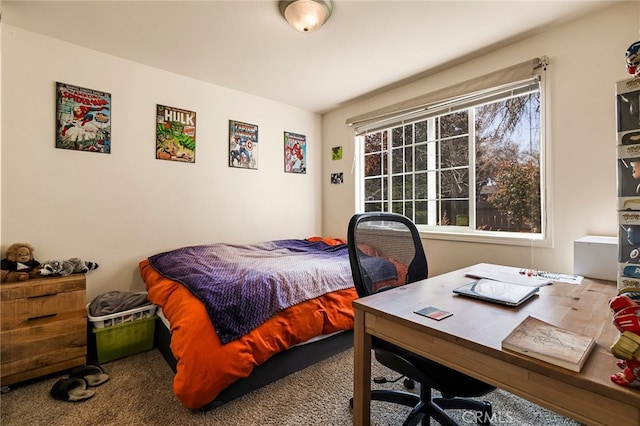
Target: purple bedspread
pixel 242 286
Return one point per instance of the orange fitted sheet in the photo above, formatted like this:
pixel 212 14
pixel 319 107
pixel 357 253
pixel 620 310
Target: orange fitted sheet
pixel 204 366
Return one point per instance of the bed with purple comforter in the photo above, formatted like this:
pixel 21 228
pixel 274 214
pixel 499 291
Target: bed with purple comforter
pixel 242 286
pixel 233 307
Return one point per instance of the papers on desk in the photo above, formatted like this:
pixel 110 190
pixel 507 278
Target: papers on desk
pixel 506 274
pixel 528 277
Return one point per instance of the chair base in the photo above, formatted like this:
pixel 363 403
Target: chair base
pixel 427 408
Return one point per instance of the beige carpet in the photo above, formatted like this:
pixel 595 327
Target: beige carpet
pixel 139 393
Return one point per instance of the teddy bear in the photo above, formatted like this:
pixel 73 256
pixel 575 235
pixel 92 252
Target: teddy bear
pixel 70 266
pixel 19 263
pixel 626 318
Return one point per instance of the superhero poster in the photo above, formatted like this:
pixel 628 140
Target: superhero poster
pixel 243 145
pixel 83 119
pixel 175 134
pixel 295 153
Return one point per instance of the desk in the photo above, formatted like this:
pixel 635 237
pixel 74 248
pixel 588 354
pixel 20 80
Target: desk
pixel 470 342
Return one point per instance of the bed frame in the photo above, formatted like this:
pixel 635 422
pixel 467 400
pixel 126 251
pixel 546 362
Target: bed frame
pixel 276 367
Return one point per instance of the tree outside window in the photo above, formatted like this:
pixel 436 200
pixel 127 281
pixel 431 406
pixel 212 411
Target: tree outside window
pixel 476 168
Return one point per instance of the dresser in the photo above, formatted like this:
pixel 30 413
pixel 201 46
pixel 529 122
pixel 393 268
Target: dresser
pixel 43 327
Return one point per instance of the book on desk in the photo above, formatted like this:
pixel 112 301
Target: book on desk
pixel 550 343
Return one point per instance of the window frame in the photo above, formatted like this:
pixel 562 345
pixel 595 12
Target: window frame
pixel 468 234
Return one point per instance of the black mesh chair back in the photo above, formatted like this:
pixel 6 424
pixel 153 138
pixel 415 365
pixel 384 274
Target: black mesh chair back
pixel 386 252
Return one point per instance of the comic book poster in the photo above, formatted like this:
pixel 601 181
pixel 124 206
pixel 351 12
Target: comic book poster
pixel 243 145
pixel 337 178
pixel 295 153
pixel 83 119
pixel 336 153
pixel 175 134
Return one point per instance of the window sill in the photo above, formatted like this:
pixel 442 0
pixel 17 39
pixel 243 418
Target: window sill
pixel 502 238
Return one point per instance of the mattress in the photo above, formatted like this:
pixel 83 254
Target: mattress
pixel 314 339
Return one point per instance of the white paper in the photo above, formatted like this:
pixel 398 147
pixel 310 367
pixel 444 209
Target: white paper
pixel 506 274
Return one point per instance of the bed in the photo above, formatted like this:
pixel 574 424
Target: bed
pixel 220 349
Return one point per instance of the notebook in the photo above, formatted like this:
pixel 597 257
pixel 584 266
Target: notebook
pixel 497 291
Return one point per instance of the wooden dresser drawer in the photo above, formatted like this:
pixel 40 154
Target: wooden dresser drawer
pixel 39 310
pixel 43 345
pixel 42 287
pixel 43 327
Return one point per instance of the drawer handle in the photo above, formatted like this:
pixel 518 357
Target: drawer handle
pixel 42 316
pixel 42 295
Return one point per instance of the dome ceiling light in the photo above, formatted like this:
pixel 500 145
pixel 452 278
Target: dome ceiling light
pixel 306 15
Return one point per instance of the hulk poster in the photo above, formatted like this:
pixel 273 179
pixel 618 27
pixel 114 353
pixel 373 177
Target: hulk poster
pixel 175 134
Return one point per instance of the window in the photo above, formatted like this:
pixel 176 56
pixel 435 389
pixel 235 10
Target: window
pixel 472 166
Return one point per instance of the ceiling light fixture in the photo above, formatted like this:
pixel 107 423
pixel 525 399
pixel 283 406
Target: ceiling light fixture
pixel 306 15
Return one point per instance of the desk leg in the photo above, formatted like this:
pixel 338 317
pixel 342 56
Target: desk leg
pixel 361 372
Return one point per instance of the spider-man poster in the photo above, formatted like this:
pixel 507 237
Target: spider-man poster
pixel 83 119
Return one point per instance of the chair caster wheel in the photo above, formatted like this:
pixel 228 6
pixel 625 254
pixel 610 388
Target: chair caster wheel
pixel 409 384
pixel 351 403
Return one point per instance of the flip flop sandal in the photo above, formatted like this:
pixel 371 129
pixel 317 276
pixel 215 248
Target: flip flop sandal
pixel 72 390
pixel 92 373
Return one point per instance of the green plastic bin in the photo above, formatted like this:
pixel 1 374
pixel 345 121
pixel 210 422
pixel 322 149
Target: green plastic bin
pixel 119 341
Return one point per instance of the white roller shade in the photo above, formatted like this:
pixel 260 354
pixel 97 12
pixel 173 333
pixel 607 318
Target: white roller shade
pixel 517 78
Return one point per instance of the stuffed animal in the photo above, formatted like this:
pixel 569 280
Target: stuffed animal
pixel 67 267
pixel 626 318
pixel 19 265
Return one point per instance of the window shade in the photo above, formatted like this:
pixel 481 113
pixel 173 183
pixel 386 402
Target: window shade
pixel 516 76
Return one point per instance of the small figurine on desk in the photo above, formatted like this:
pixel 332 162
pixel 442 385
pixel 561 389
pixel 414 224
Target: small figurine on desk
pixel 552 276
pixel 626 318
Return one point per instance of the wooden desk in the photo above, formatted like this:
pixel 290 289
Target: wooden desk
pixel 470 342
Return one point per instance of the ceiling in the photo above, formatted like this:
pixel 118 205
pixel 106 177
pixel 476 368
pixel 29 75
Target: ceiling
pixel 365 47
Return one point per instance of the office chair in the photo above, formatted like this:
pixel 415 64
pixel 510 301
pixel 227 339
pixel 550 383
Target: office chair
pixel 385 251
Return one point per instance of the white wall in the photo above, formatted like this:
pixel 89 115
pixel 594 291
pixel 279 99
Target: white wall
pixel 586 59
pixel 119 208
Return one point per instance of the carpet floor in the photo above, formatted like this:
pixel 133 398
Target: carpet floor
pixel 139 393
